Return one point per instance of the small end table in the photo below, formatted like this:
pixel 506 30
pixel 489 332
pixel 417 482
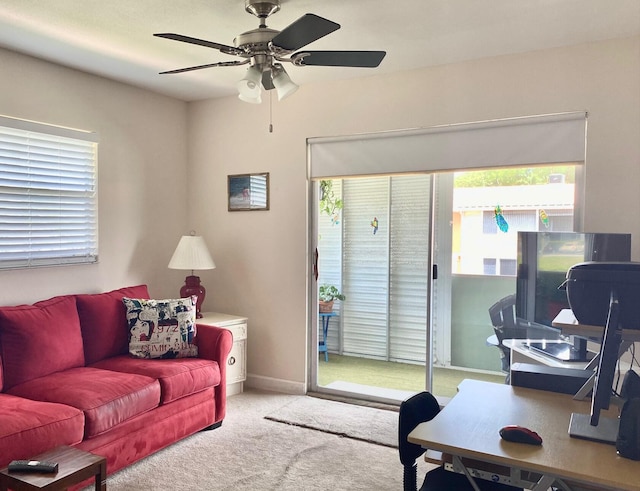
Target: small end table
pixel 74 466
pixel 322 345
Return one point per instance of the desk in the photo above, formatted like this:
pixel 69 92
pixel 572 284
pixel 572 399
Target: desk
pixel 468 428
pixel 325 317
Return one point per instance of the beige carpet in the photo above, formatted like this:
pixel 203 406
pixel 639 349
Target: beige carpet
pixel 250 452
pixel 367 424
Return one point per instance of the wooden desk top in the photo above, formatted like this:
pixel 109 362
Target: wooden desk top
pixel 468 427
pixel 566 321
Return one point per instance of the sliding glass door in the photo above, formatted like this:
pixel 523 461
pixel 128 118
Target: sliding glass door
pixel 417 229
pixel 397 331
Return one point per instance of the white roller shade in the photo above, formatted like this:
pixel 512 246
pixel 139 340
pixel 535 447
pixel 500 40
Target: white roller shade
pixel 507 142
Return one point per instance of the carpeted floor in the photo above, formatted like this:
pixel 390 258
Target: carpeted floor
pixel 362 423
pixel 250 452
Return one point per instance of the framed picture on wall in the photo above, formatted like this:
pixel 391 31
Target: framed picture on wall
pixel 248 192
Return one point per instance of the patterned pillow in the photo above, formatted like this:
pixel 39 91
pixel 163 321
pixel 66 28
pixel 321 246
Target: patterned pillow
pixel 161 328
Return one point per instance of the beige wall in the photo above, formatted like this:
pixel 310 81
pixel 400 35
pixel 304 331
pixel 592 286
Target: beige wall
pixel 262 256
pixel 141 176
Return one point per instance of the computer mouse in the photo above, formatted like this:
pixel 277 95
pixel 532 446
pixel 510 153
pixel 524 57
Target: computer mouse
pixel 520 434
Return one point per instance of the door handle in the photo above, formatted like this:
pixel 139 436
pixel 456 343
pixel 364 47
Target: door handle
pixel 315 264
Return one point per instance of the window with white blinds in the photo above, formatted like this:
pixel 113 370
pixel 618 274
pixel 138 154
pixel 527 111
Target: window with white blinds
pixel 48 195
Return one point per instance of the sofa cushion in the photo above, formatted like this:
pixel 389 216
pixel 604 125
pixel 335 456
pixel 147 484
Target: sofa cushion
pixel 40 339
pixel 107 398
pixel 161 328
pixel 28 427
pixel 104 323
pixel 178 377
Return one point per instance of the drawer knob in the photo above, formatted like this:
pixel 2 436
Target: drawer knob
pixel 232 360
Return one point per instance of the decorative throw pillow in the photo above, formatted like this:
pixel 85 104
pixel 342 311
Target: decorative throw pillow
pixel 161 328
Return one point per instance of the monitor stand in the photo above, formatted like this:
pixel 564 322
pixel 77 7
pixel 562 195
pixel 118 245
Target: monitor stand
pixel 605 432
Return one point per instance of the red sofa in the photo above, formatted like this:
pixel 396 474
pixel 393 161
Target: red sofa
pixel 66 378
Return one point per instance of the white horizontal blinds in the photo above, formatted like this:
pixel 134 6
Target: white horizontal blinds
pixel 507 142
pixel 48 199
pixel 365 267
pixel 409 267
pixel 385 274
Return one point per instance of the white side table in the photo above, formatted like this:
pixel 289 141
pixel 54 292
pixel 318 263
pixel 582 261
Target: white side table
pixel 237 360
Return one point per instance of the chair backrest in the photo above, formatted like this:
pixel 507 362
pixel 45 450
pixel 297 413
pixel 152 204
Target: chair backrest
pixel 503 312
pixel 417 409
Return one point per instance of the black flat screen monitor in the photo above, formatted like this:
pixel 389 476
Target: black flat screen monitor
pixel 593 426
pixel 543 261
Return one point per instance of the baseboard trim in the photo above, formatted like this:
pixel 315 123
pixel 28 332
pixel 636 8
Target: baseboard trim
pixel 275 385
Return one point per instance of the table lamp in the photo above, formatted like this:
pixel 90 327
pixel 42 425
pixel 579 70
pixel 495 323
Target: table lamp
pixel 192 253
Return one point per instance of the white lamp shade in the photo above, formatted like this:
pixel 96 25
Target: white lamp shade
pixel 191 253
pixel 252 100
pixel 283 84
pixel 249 86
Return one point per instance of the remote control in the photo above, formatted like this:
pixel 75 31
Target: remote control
pixel 33 466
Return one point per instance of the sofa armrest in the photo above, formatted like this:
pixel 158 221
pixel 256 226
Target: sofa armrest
pixel 214 343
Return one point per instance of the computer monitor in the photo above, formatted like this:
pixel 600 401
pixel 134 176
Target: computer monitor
pixel 543 261
pixel 593 426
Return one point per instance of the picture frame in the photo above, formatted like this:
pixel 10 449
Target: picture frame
pixel 248 192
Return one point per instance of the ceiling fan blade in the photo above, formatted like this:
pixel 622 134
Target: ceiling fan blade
pixel 200 67
pixel 364 59
pixel 267 82
pixel 303 31
pixel 229 50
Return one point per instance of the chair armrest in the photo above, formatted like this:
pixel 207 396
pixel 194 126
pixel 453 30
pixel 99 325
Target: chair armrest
pixel 214 343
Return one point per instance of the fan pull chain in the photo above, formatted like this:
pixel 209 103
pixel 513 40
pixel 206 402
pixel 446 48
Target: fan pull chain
pixel 271 111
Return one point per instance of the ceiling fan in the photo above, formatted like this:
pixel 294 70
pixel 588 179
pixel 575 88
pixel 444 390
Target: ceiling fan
pixel 265 50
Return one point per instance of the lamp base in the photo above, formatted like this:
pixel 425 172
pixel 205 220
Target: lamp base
pixel 191 287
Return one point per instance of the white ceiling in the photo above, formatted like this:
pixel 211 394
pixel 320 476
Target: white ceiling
pixel 114 38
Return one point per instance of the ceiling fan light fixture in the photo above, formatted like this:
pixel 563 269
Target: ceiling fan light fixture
pixel 283 84
pixel 249 86
pixel 251 100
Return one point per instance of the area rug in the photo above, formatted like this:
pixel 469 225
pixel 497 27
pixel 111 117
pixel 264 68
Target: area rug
pixel 362 423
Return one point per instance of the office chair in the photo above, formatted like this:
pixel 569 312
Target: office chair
pixel 417 409
pixel 503 319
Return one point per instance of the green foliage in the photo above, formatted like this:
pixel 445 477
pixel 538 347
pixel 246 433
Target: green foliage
pixel 327 293
pixel 518 176
pixel 330 205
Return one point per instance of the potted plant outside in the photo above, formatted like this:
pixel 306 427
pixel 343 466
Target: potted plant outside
pixel 326 296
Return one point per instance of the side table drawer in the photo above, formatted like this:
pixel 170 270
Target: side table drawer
pixel 236 368
pixel 237 359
